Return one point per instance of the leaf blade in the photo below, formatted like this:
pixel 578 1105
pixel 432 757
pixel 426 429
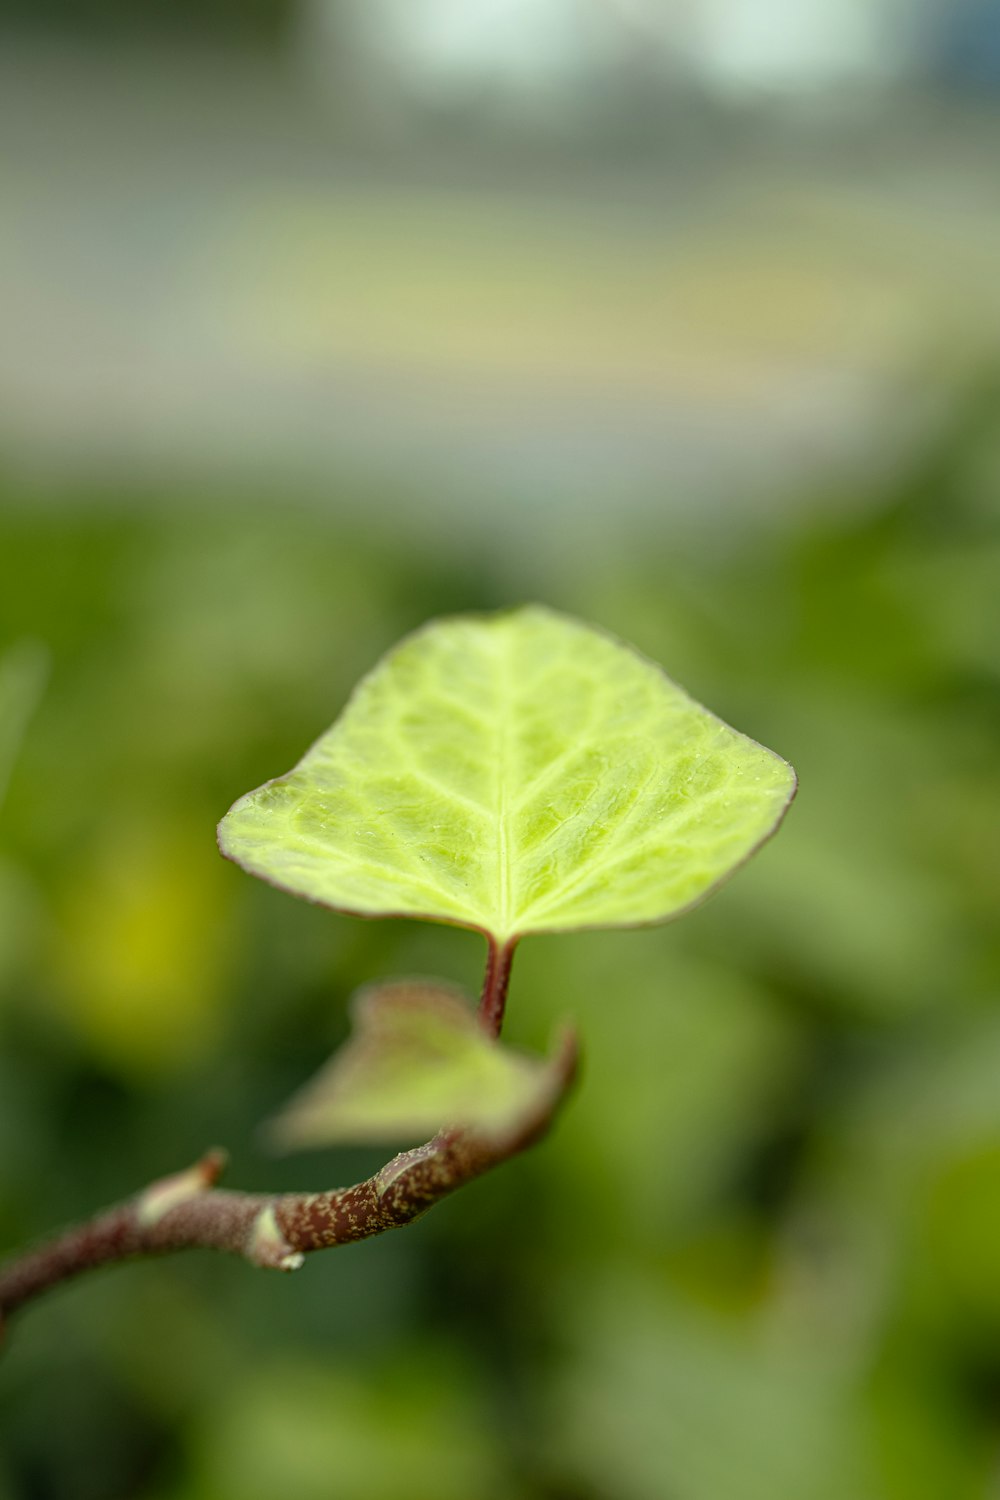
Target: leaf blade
pixel 515 773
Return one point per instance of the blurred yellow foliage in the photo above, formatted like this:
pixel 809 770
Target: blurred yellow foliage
pixel 142 948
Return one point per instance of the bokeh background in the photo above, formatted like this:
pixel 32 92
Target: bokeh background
pixel 323 317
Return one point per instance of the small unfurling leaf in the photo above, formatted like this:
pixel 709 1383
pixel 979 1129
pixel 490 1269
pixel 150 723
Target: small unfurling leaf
pixel 418 1061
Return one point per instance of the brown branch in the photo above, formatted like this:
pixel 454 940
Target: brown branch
pixel 187 1211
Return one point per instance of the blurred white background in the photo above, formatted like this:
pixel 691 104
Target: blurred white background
pixel 587 253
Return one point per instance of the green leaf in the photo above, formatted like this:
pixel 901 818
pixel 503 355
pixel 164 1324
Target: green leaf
pixel 418 1061
pixel 515 773
pixel 23 669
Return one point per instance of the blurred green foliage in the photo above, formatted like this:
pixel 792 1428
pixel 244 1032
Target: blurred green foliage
pixel 246 20
pixel 757 1257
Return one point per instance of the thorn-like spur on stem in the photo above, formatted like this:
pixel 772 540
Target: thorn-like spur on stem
pixel 187 1211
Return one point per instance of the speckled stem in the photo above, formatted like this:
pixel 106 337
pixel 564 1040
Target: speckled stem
pixel 187 1211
